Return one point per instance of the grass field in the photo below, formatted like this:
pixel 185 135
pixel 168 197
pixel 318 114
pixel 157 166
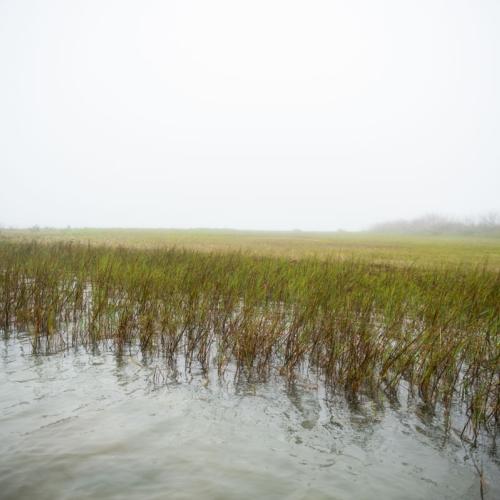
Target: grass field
pixel 370 312
pixel 376 248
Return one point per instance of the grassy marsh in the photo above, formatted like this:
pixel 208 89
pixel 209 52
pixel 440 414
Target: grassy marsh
pixel 401 250
pixel 360 324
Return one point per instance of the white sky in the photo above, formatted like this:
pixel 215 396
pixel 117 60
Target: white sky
pixel 269 114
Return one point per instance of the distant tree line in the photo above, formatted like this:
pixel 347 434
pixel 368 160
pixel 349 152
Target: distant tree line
pixel 488 225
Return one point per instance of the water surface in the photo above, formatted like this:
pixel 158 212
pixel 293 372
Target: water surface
pixel 80 425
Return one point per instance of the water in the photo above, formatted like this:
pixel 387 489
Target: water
pixel 77 425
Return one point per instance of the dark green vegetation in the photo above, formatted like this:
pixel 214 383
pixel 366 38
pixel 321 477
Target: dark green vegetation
pixel 361 326
pixel 486 226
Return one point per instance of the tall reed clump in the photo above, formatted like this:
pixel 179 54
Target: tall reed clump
pixel 362 326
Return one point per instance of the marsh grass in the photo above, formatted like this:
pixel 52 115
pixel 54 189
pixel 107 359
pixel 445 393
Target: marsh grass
pixel 363 327
pixel 394 249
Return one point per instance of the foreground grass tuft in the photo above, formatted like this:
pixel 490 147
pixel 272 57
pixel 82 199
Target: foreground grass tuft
pixel 362 326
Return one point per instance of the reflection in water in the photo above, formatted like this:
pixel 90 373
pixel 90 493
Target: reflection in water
pixel 97 425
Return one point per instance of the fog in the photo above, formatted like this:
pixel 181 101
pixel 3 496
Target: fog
pixel 274 114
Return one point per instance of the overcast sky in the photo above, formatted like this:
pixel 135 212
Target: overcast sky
pixel 270 114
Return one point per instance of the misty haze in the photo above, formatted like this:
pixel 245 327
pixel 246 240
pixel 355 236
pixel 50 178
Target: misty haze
pixel 249 249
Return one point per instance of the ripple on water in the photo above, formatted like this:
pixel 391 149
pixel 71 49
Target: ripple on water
pixel 83 426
